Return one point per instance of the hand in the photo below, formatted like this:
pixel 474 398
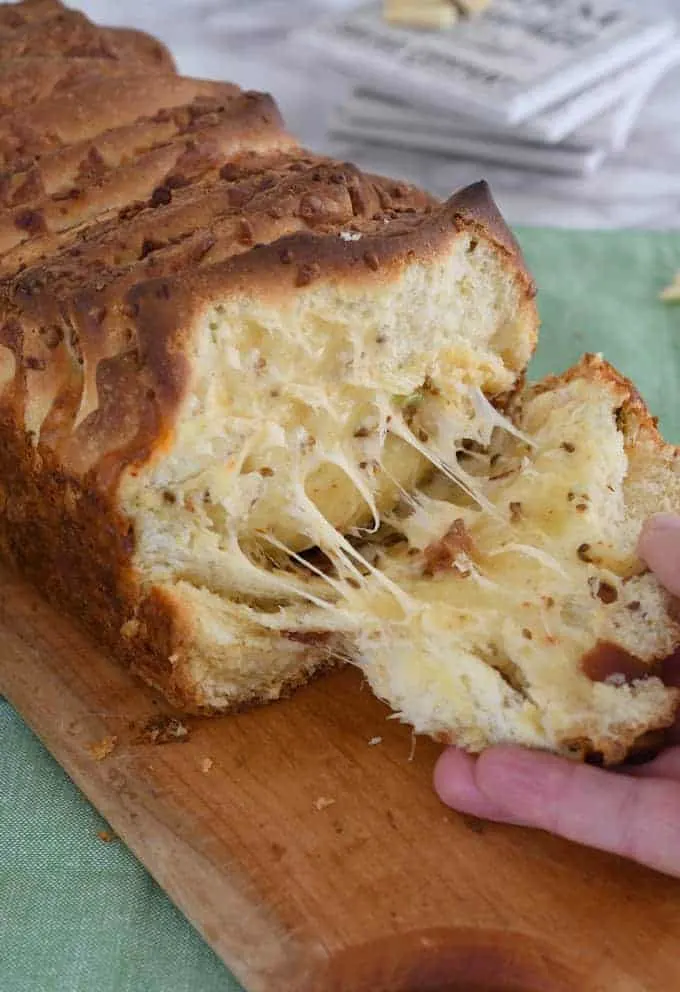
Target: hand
pixel 634 813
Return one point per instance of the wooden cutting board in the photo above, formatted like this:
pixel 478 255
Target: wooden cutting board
pixel 313 861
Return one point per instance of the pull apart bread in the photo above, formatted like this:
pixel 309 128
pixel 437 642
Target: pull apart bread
pixel 261 412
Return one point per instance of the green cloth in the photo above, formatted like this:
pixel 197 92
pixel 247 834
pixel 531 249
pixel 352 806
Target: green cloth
pixel 599 292
pixel 78 914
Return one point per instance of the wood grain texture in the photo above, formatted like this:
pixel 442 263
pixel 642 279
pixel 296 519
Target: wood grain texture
pixel 381 891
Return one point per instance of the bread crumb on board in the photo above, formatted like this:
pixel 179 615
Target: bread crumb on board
pixel 103 748
pixel 374 741
pixel 323 803
pixel 163 729
pixel 206 765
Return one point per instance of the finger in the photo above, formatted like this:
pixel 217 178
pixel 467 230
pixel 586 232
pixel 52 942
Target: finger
pixel 454 783
pixel 665 765
pixel 659 548
pixel 638 818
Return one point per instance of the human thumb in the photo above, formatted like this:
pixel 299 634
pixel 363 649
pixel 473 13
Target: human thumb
pixel 659 548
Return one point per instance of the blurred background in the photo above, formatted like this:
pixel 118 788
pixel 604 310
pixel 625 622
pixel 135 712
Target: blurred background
pixel 256 43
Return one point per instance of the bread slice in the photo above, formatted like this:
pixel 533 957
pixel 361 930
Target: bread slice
pixel 529 619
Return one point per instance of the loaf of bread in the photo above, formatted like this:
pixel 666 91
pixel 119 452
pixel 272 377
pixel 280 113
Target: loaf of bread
pixel 166 441
pixel 261 412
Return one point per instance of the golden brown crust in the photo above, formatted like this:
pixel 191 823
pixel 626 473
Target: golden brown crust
pixel 67 170
pixel 635 419
pixel 165 631
pixel 83 541
pixel 13 17
pixel 146 161
pixel 475 207
pixel 25 82
pixel 185 207
pixel 80 112
pixel 45 29
pixel 291 263
pixel 130 44
pixel 254 198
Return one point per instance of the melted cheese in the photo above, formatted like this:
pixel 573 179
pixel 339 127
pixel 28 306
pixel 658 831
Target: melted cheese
pixel 301 429
pixel 492 649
